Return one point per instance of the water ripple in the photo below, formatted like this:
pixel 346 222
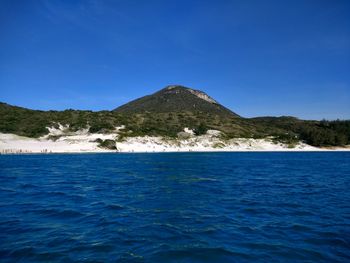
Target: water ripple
pixel 181 207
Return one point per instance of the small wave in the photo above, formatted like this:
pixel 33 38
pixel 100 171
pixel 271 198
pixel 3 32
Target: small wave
pixel 28 186
pixel 199 254
pixel 339 242
pixel 64 214
pixel 115 206
pixel 301 228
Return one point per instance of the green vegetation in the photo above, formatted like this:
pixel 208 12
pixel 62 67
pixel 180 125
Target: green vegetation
pixel 173 99
pixel 106 144
pixel 219 145
pixel 316 133
pixel 201 129
pixel 168 112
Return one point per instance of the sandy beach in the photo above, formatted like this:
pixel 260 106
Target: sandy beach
pixel 83 141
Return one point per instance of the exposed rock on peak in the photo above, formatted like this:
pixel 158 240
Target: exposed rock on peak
pixel 202 95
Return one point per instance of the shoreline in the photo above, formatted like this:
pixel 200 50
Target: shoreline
pixel 84 142
pixel 318 150
pixel 77 153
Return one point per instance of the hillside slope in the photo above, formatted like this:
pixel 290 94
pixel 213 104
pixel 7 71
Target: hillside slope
pixel 176 98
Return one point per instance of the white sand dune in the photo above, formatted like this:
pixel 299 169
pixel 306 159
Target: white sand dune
pixel 83 141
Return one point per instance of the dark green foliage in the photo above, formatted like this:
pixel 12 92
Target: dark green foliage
pixel 107 144
pixel 98 140
pixel 22 121
pixel 332 134
pixel 101 126
pixel 316 133
pixel 201 129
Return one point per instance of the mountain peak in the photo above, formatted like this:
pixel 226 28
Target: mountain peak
pixel 170 87
pixel 176 98
pixel 178 88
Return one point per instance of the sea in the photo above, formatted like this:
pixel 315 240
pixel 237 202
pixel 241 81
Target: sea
pixel 175 207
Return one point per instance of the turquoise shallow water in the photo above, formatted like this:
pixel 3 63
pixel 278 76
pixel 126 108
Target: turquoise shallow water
pixel 175 207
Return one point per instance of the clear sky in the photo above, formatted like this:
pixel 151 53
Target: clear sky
pixel 255 57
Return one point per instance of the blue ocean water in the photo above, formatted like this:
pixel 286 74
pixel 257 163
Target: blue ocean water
pixel 175 207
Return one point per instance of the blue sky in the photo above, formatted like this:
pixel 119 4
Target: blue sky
pixel 255 57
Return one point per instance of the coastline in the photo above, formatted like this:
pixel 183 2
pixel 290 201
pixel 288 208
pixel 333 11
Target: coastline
pixel 194 152
pixel 84 142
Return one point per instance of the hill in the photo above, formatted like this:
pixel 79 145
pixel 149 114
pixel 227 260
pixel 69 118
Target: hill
pixel 176 98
